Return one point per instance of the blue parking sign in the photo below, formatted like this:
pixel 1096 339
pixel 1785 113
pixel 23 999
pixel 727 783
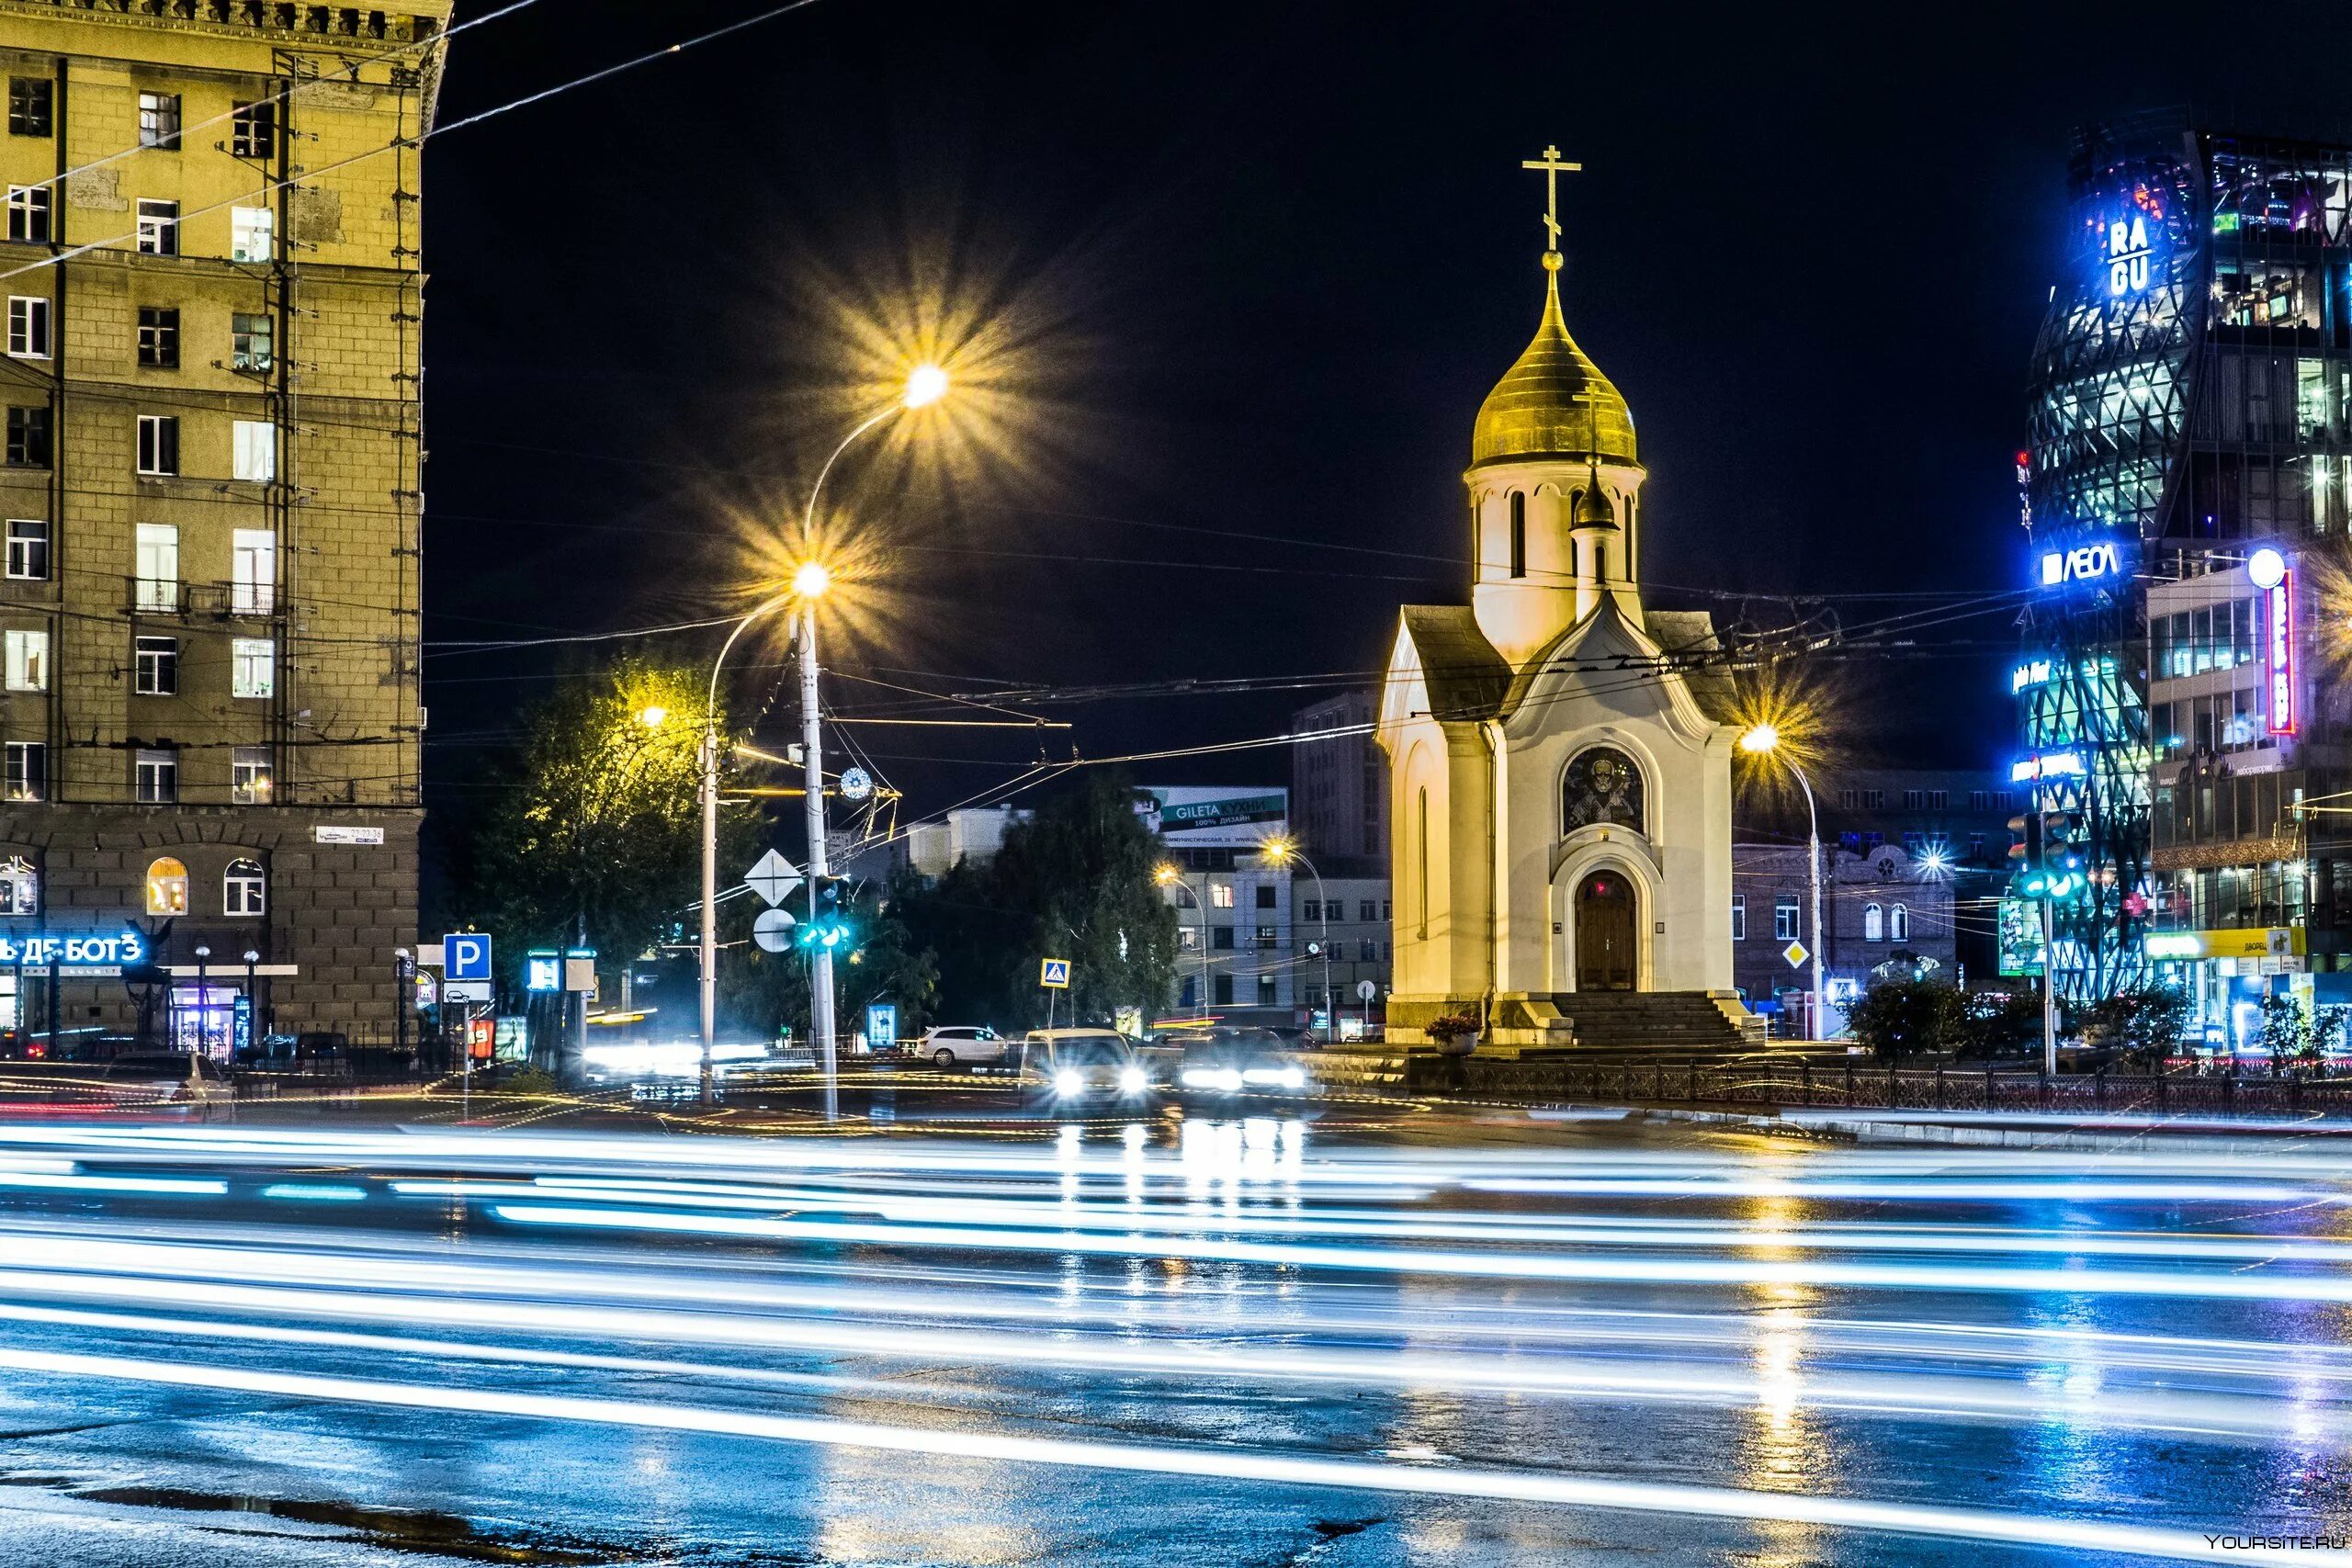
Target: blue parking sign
pixel 465 957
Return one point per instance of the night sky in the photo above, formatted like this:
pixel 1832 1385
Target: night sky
pixel 1246 270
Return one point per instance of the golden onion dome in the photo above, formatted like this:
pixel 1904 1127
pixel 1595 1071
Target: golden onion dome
pixel 1593 510
pixel 1553 402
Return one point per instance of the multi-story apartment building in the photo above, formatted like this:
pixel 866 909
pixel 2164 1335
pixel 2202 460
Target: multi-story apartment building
pixel 211 505
pixel 1340 784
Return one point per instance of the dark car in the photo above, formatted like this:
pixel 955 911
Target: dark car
pixel 1239 1061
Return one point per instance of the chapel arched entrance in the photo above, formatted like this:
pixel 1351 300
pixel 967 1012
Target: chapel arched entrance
pixel 1606 927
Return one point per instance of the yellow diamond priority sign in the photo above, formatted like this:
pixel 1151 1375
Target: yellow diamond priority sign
pixel 1797 955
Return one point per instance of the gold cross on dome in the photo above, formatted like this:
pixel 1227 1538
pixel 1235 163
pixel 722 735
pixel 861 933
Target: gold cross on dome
pixel 1553 169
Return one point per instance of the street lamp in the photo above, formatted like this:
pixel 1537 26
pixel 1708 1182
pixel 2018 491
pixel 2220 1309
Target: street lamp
pixel 1281 849
pixel 925 385
pixel 1166 875
pixel 1763 740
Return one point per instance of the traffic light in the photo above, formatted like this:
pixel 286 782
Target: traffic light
pixel 827 926
pixel 2025 847
pixel 2062 850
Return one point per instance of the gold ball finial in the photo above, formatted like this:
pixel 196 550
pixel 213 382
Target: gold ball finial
pixel 1551 260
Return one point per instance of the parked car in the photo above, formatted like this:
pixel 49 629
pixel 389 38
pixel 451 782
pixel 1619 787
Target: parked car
pixel 1069 1064
pixel 955 1045
pixel 174 1078
pixel 1239 1061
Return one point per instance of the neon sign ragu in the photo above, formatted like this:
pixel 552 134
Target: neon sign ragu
pixel 2128 251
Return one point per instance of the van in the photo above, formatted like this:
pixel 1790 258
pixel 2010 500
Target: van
pixel 1063 1065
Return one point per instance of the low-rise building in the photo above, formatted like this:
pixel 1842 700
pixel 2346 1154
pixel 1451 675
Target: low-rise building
pixel 1883 914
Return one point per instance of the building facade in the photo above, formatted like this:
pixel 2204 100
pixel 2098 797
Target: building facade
pixel 1884 913
pixel 1560 754
pixel 1234 952
pixel 1350 908
pixel 211 495
pixel 1339 785
pixel 2189 409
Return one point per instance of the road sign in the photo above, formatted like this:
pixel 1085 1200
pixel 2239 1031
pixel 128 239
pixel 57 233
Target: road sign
pixel 580 969
pixel 881 1025
pixel 773 877
pixel 466 956
pixel 1054 974
pixel 1366 991
pixel 542 972
pixel 1797 955
pixel 466 992
pixel 773 929
pixel 856 783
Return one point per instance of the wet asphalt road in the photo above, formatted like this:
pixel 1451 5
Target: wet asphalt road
pixel 1339 1337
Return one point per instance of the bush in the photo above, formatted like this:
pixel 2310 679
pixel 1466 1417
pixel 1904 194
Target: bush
pixel 2144 1023
pixel 1999 1023
pixel 1902 1018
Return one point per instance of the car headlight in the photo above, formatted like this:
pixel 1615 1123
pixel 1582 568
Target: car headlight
pixel 1068 1081
pixel 1198 1077
pixel 1132 1080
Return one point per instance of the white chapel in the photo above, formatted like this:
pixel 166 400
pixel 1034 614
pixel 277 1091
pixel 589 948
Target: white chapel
pixel 1559 755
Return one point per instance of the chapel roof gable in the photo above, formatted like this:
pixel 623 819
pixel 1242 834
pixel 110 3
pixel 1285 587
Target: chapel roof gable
pixel 1465 677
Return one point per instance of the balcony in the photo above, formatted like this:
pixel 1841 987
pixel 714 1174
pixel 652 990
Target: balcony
pixel 165 596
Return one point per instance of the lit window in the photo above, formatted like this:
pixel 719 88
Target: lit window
pixel 1221 895
pixel 253 670
pixel 158 121
pixel 156 780
pixel 1873 923
pixel 159 444
pixel 251 233
pixel 27 660
pixel 29 99
pixel 27 770
pixel 167 881
pixel 253 129
pixel 158 562
pixel 1739 917
pixel 29 214
pixel 250 775
pixel 255 457
pixel 28 326
pixel 19 886
pixel 155 666
pixel 28 548
pixel 244 890
pixel 1898 923
pixel 249 341
pixel 159 227
pixel 159 338
pixel 252 559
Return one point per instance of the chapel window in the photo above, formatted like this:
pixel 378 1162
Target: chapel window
pixel 1518 534
pixel 1602 786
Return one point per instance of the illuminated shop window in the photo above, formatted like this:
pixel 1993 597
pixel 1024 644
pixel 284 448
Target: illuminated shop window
pixel 167 886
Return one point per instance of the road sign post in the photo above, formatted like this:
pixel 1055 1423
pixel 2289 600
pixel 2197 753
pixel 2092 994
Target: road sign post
pixel 1053 974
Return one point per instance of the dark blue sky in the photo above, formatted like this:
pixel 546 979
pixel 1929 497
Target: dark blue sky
pixel 1265 260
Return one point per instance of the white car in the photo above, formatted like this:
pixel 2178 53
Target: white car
pixel 956 1045
pixel 175 1078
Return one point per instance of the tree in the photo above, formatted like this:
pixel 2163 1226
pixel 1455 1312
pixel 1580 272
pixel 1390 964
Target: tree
pixel 2286 1031
pixel 1900 1018
pixel 2144 1023
pixel 882 961
pixel 1999 1023
pixel 1075 882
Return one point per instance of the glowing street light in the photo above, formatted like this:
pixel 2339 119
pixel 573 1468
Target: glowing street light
pixel 1764 740
pixel 1281 848
pixel 926 384
pixel 653 716
pixel 811 581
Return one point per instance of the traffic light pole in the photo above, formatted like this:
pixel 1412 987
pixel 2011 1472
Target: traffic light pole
pixel 820 957
pixel 2049 990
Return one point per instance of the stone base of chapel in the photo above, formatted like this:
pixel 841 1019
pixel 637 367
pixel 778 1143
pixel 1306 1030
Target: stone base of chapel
pixel 1535 1023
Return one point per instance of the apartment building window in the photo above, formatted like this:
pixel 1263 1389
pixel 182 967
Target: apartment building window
pixel 1784 919
pixel 159 444
pixel 166 877
pixel 1310 910
pixel 155 666
pixel 159 337
pixel 1914 800
pixel 1739 917
pixel 250 342
pixel 254 457
pixel 1220 895
pixel 28 326
pixel 28 550
pixel 28 436
pixel 159 227
pixel 1267 937
pixel 1221 939
pixel 253 129
pixel 253 560
pixel 1265 895
pixel 27 661
pixel 1364 951
pixel 30 102
pixel 253 667
pixel 1873 923
pixel 158 565
pixel 1979 800
pixel 1364 910
pixel 19 887
pixel 1898 923
pixel 2004 800
pixel 252 233
pixel 1223 992
pixel 159 121
pixel 26 771
pixel 250 774
pixel 29 214
pixel 1265 990
pixel 155 781
pixel 244 889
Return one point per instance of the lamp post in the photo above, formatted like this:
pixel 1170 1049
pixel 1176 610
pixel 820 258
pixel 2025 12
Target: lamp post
pixel 1765 741
pixel 925 385
pixel 1167 875
pixel 1282 851
pixel 203 1034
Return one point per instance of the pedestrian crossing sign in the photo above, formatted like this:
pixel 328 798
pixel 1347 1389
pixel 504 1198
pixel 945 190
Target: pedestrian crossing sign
pixel 1054 974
